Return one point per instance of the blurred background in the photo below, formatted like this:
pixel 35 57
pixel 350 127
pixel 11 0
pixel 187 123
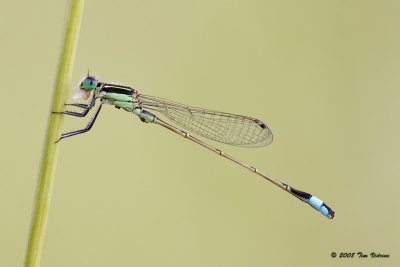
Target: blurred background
pixel 323 75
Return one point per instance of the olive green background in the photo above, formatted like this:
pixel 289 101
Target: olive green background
pixel 324 75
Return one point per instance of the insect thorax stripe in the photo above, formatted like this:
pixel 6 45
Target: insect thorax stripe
pixel 118 89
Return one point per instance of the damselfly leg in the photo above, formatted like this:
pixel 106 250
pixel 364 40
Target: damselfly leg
pixel 82 114
pixel 86 108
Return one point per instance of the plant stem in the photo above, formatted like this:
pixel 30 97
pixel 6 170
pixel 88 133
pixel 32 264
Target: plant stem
pixel 50 151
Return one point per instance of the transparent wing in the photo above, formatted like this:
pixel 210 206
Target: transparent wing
pixel 223 127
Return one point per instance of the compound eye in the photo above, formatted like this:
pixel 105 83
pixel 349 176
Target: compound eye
pixel 90 83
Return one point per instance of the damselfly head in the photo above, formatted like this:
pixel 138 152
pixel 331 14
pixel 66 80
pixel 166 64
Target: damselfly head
pixel 88 84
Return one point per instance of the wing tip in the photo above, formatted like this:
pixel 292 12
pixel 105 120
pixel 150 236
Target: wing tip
pixel 262 124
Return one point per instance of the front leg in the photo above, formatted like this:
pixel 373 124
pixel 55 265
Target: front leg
pixel 86 108
pixel 79 105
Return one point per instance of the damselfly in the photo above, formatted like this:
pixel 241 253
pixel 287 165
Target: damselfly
pixel 223 127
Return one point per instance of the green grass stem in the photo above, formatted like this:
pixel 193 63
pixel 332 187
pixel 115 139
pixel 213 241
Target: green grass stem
pixel 50 150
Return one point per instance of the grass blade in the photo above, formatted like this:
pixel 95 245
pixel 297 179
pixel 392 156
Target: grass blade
pixel 49 156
